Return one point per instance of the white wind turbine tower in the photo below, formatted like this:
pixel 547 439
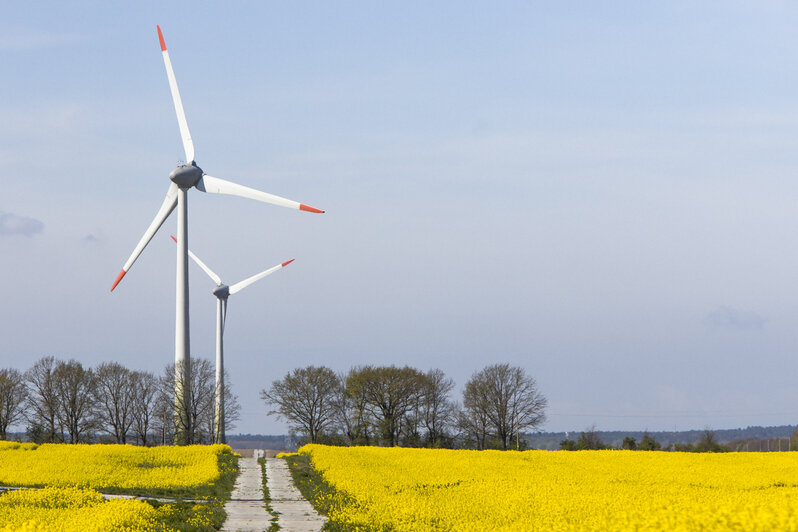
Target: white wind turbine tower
pixel 222 292
pixel 183 178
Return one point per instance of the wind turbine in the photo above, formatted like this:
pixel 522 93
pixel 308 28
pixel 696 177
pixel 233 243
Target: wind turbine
pixel 183 178
pixel 222 292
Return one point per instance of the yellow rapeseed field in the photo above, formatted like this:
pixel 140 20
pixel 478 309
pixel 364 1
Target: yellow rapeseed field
pixel 70 474
pixel 427 489
pixel 72 510
pixel 122 467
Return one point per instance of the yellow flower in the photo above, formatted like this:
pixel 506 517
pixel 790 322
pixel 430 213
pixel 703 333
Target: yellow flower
pixel 286 455
pixel 426 489
pixel 106 466
pixel 72 510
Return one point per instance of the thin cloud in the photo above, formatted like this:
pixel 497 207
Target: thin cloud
pixel 726 317
pixel 30 39
pixel 14 224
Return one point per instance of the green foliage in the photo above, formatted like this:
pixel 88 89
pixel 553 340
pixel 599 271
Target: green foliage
pixel 588 441
pixel 568 445
pixel 707 444
pixel 648 444
pixel 629 443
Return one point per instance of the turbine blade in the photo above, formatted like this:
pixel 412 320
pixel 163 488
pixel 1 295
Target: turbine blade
pixel 166 209
pixel 185 134
pixel 214 185
pixel 248 281
pixel 211 273
pixel 224 314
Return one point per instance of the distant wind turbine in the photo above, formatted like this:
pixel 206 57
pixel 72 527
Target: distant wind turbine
pixel 222 292
pixel 183 178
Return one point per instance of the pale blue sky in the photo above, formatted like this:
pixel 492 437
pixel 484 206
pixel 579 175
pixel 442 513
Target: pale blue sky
pixel 602 193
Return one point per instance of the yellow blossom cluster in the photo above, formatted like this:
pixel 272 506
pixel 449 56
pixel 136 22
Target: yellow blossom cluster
pixel 285 455
pixel 72 510
pixel 427 489
pixel 110 466
pixel 16 446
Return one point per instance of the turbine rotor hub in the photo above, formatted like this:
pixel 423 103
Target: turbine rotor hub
pixel 222 291
pixel 186 175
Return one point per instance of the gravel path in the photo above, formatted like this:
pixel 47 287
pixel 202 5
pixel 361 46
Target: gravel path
pixel 246 509
pixel 294 514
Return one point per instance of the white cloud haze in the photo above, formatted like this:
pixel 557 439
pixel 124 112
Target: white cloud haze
pixel 14 224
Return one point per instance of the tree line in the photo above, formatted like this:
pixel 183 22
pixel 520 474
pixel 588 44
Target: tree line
pixel 64 401
pixel 590 440
pixel 390 406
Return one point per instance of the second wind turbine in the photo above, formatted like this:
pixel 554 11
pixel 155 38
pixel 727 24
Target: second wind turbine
pixel 222 292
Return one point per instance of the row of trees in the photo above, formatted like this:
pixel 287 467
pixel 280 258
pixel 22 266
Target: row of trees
pixel 589 440
pixel 63 401
pixel 389 405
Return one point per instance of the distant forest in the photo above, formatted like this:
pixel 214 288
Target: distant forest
pixel 261 441
pixel 551 440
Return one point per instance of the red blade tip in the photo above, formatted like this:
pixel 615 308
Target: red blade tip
pixel 118 278
pixel 303 207
pixel 173 238
pixel 160 38
pixel 286 263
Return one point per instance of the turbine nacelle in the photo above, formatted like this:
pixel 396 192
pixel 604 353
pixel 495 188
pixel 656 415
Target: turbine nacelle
pixel 186 175
pixel 222 291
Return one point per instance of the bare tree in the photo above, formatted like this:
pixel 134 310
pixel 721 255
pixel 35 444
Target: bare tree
pixel 507 398
pixel 305 398
pixel 42 409
pixel 145 394
pixel 74 386
pixel 527 404
pixel 203 393
pixel 199 403
pixel 163 421
pixel 388 392
pixel 12 399
pixel 437 411
pixel 472 421
pixel 114 395
pixel 408 427
pixel 350 414
pixel 232 409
